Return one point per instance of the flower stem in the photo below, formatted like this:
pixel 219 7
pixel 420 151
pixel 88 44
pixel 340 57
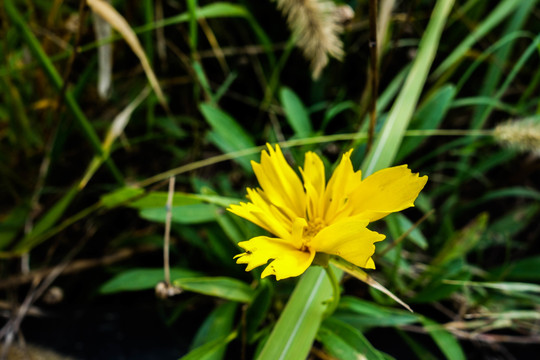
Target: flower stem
pixel 334 302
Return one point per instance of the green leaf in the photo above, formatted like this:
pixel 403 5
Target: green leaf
pixel 227 127
pixel 12 224
pixel 47 221
pixel 295 330
pixel 206 351
pixel 220 248
pixel 159 199
pixel 336 109
pixel 363 314
pixel 188 214
pixel 171 127
pixel 228 135
pixel 446 341
pixel 363 276
pixel 216 326
pixel 399 224
pixel 419 350
pixel 216 199
pixel 203 81
pixel 222 9
pixel 222 287
pixel 337 347
pixel 339 337
pixel 295 112
pixel 223 144
pixel 120 196
pixel 428 116
pixel 436 289
pixel 462 242
pixel 258 309
pixel 520 192
pixel 141 279
pixel 524 269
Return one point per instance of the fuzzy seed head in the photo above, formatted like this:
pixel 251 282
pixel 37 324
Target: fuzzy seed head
pixel 522 135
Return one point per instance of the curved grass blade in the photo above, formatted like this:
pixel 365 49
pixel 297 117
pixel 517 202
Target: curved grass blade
pixel 119 23
pixel 365 278
pixel 295 112
pixel 447 343
pixel 206 351
pixel 496 16
pixel 216 326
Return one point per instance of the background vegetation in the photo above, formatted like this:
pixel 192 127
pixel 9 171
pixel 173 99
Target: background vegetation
pixel 93 123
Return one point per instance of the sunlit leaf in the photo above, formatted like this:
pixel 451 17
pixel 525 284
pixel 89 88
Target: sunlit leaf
pixel 141 279
pixel 222 287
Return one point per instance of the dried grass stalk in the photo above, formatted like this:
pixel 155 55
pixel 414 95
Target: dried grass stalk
pixel 316 25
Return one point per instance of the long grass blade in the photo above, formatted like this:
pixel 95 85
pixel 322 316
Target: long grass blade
pixel 297 326
pixel 388 141
pixel 118 22
pixel 495 18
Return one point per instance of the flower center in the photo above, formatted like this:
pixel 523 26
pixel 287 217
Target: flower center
pixel 314 226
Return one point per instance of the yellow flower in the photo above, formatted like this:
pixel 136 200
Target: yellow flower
pixel 312 216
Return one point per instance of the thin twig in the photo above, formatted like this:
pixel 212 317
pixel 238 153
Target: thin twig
pixel 406 233
pixel 75 266
pixel 373 61
pixel 487 338
pixel 298 142
pixel 167 236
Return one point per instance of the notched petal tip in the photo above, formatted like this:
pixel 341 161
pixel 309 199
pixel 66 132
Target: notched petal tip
pixel 285 260
pixel 386 191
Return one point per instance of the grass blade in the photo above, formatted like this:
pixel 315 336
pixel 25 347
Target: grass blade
pixel 447 343
pixel 295 112
pixel 297 326
pixel 217 325
pixel 119 23
pixel 495 17
pixel 387 144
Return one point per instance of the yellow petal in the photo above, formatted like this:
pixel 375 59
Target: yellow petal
pixel 296 238
pixel 260 217
pixel 386 191
pixel 343 181
pixel 370 264
pixel 314 183
pixel 349 239
pixel 279 181
pixel 287 260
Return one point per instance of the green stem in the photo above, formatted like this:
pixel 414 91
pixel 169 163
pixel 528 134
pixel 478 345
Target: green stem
pixel 332 306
